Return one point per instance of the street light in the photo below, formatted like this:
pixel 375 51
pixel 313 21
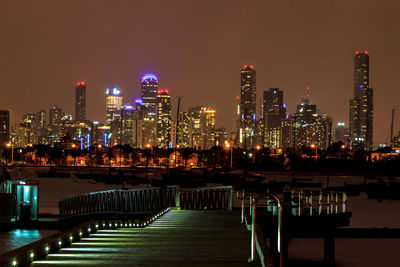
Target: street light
pixel 316 150
pixel 73 147
pixel 229 146
pixel 9 145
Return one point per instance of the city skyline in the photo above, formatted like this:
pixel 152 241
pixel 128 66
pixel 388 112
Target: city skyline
pixel 291 48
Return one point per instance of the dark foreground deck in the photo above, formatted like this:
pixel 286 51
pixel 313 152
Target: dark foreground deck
pixel 179 238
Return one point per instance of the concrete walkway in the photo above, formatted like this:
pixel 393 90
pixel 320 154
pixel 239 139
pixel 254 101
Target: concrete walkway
pixel 179 238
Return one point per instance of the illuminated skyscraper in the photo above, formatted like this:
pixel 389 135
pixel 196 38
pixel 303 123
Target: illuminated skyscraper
pixel 163 119
pixel 113 105
pixel 310 127
pixel 149 87
pixel 113 114
pixel 80 101
pixel 274 112
pixel 149 92
pixel 4 127
pixel 129 121
pixel 247 128
pixel 208 128
pixel 361 106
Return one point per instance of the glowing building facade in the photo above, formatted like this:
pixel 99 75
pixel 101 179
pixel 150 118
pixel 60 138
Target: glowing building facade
pixel 80 101
pixel 113 105
pixel 274 111
pixel 361 106
pixel 247 130
pixel 163 119
pixel 310 127
pixel 149 88
pixel 4 127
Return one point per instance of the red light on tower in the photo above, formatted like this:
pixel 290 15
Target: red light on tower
pixel 366 52
pixel 166 91
pixel 82 83
pixel 356 52
pixel 159 91
pixel 237 97
pixel 251 66
pixel 245 66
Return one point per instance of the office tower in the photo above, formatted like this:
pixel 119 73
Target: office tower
pixel 208 128
pixel 310 127
pixel 361 106
pixel 341 133
pixel 80 101
pixel 40 127
pixel 183 139
pixel 113 114
pixel 195 136
pixel 247 129
pixel 113 105
pixel 129 121
pixel 55 115
pixel 149 88
pixel 163 119
pixel 4 127
pixel 274 111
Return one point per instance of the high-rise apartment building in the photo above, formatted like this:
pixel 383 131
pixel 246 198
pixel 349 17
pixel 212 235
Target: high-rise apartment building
pixel 247 130
pixel 113 105
pixel 80 101
pixel 113 114
pixel 361 106
pixel 310 127
pixel 208 128
pixel 163 119
pixel 274 111
pixel 4 127
pixel 149 88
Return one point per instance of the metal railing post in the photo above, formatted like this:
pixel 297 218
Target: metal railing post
pixel 243 206
pixel 253 229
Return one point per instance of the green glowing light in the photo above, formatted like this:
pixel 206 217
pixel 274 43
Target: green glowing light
pixel 14 263
pixel 89 229
pixel 47 249
pixel 59 243
pixel 32 255
pixel 70 238
pixel 80 233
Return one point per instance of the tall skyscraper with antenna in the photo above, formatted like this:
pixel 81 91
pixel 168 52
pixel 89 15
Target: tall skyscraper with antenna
pixel 361 106
pixel 80 101
pixel 247 130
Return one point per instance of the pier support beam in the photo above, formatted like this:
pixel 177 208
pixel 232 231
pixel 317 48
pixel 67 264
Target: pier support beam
pixel 329 248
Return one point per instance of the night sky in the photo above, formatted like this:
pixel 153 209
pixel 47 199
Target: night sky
pixel 197 48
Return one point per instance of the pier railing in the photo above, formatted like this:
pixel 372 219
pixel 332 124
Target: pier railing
pixel 207 198
pixel 312 203
pixel 131 201
pixel 135 201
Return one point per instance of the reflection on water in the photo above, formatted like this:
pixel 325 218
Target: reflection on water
pixel 20 237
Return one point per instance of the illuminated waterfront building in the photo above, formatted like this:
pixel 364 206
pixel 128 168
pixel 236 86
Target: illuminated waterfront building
pixel 80 101
pixel 163 119
pixel 183 139
pixel 247 130
pixel 113 105
pixel 208 128
pixel 310 127
pixel 4 127
pixel 274 111
pixel 113 114
pixel 149 88
pixel 361 106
